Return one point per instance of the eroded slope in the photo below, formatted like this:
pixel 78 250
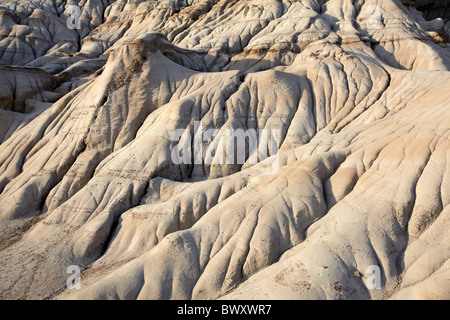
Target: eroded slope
pixel 88 178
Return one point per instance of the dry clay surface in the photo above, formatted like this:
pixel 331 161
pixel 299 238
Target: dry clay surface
pixel 358 90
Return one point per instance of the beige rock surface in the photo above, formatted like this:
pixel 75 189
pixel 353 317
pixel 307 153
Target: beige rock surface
pixel 357 89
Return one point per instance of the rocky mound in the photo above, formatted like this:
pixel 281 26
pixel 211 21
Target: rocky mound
pixel 358 181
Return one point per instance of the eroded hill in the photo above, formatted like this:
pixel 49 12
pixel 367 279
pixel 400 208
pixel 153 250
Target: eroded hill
pixel 358 91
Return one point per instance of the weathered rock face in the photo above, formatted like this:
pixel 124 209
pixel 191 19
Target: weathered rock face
pixel 357 90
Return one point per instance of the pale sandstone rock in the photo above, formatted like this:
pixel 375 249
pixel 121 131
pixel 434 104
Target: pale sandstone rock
pixel 86 170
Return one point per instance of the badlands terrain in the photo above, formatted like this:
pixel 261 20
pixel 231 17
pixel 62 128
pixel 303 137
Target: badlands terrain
pixel 353 201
